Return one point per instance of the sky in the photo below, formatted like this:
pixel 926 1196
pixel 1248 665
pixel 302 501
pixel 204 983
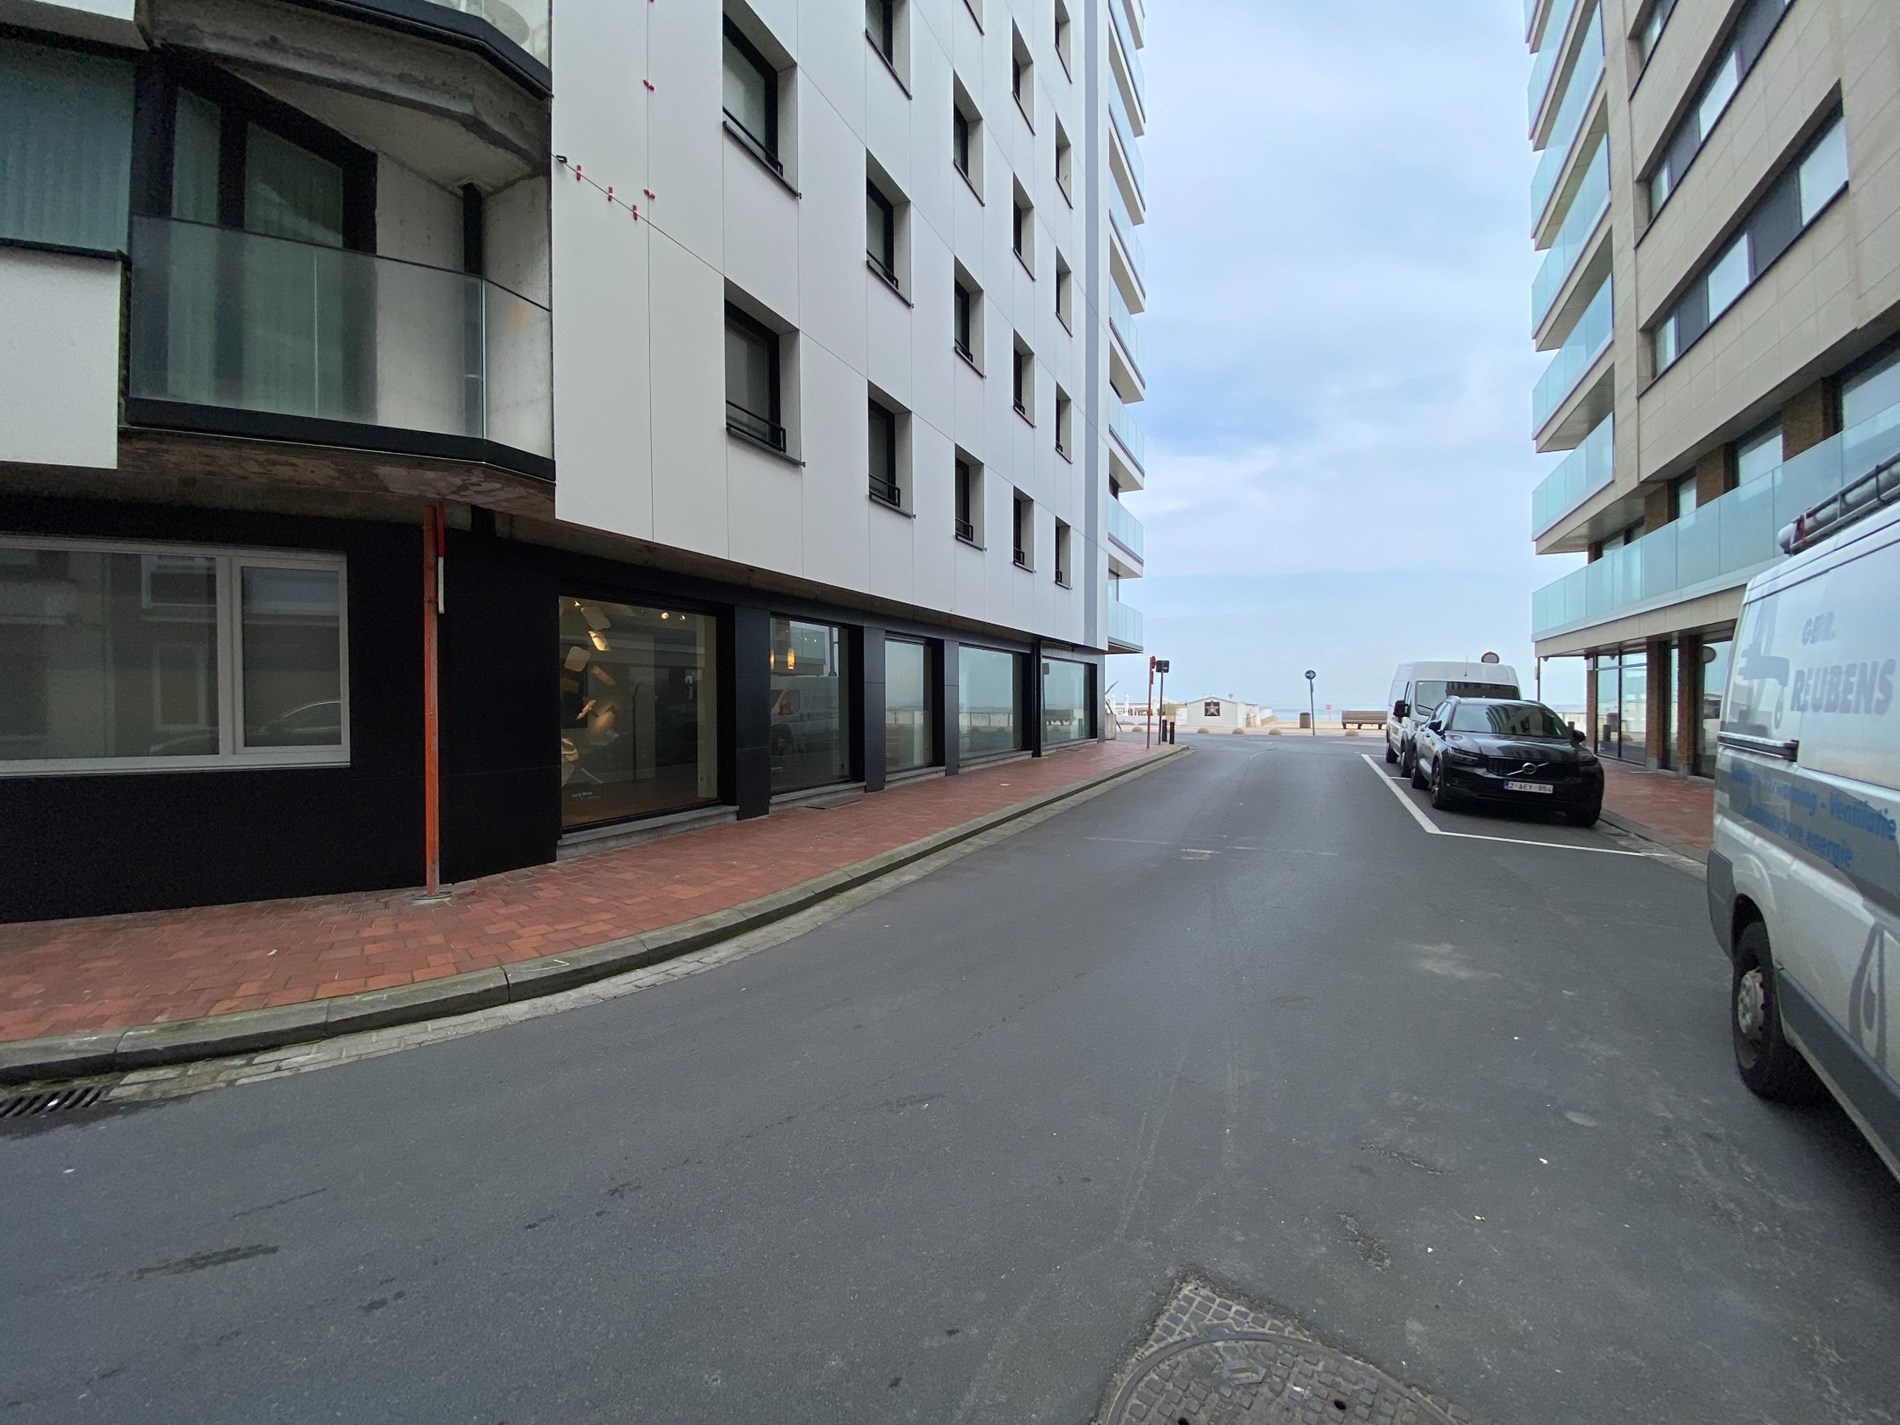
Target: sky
pixel 1337 348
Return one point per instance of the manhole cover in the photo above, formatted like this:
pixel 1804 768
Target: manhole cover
pixel 1214 1360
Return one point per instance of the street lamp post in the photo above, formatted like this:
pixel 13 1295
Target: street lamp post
pixel 1312 715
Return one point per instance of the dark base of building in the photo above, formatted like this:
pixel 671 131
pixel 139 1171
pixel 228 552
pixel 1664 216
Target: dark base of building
pixel 513 684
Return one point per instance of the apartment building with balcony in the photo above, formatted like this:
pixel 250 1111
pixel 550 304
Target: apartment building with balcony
pixel 441 436
pixel 1717 196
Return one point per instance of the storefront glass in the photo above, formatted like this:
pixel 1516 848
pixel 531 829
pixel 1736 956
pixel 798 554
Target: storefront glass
pixel 1635 706
pixel 1065 701
pixel 1609 705
pixel 1715 661
pixel 989 702
pixel 811 706
pixel 639 711
pixel 910 699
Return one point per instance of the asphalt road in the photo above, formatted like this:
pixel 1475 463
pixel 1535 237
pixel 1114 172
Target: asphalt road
pixel 1463 1106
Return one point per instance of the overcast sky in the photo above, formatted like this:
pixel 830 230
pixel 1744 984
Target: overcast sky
pixel 1338 356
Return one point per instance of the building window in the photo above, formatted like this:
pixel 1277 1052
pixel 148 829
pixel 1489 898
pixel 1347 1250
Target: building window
pixel 960 140
pixel 1023 530
pixel 1022 230
pixel 1022 77
pixel 880 226
pixel 910 706
pixel 1062 37
pixel 885 485
pixel 1064 165
pixel 810 736
pixel 1062 554
pixel 752 379
pixel 966 317
pixel 1067 701
pixel 1065 435
pixel 989 702
pixel 880 26
pixel 969 499
pixel 639 711
pixel 751 95
pixel 966 137
pixel 1065 294
pixel 66 137
pixel 1024 379
pixel 1804 189
pixel 1870 393
pixel 1758 455
pixel 1653 23
pixel 120 658
pixel 1684 496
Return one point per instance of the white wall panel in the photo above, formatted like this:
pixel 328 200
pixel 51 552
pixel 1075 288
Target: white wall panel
pixel 837 471
pixel 689 406
pixel 686 172
pixel 59 364
pixel 887 335
pixel 766 500
pixel 761 233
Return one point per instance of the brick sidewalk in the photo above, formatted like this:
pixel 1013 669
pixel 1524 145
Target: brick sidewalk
pixel 114 972
pixel 1677 808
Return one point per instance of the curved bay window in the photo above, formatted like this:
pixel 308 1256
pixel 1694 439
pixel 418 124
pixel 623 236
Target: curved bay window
pixel 639 711
pixel 1065 701
pixel 989 702
pixel 810 738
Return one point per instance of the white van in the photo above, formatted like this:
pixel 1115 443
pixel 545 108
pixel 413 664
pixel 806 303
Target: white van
pixel 1417 688
pixel 1804 877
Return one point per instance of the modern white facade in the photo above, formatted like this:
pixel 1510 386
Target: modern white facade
pixel 747 387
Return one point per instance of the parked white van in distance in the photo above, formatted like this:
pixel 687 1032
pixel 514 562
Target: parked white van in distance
pixel 1804 877
pixel 1417 688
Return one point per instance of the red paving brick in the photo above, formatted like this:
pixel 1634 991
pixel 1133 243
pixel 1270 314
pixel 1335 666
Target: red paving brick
pixel 112 972
pixel 1680 808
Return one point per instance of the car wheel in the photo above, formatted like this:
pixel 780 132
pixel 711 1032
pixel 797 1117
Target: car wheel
pixel 1408 760
pixel 1390 755
pixel 1584 816
pixel 1767 1062
pixel 1441 794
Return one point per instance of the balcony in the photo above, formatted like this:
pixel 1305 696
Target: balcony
pixel 1583 472
pixel 1576 107
pixel 1130 66
pixel 1588 340
pixel 1125 530
pixel 1137 177
pixel 1556 28
pixel 512 34
pixel 1132 252
pixel 241 334
pixel 1587 208
pixel 1124 627
pixel 1719 545
pixel 1129 437
pixel 1121 321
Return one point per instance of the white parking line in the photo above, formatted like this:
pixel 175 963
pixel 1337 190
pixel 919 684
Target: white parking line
pixel 1426 822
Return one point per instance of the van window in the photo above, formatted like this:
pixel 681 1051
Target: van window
pixel 1433 692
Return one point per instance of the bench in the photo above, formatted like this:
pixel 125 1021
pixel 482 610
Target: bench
pixel 1362 718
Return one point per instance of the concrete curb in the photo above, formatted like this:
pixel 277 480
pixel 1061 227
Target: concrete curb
pixel 147 1046
pixel 1649 833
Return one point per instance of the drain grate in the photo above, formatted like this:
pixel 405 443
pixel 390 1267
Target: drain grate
pixel 44 1101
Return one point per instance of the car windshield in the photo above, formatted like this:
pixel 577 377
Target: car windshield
pixel 1509 720
pixel 1431 693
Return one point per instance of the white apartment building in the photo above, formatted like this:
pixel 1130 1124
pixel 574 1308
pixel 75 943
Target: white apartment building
pixel 439 436
pixel 1718 199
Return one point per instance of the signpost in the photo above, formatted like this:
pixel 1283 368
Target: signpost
pixel 1155 665
pixel 1312 714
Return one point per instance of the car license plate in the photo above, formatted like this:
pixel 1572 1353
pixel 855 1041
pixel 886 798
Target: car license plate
pixel 1544 787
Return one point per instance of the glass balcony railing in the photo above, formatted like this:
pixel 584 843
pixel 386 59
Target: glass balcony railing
pixel 1121 422
pixel 1124 225
pixel 1728 536
pixel 1130 55
pixel 1588 340
pixel 1122 322
pixel 231 319
pixel 1126 133
pixel 1586 209
pixel 1570 116
pixel 1124 625
pixel 523 21
pixel 1124 528
pixel 1545 65
pixel 1583 472
pixel 1530 12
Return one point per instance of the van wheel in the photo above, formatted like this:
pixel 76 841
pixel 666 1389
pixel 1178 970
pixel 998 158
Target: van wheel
pixel 1408 763
pixel 1767 1062
pixel 1390 755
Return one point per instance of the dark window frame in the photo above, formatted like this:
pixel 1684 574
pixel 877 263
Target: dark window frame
pixel 884 38
pixel 967 497
pixel 885 263
pixel 884 491
pixel 1022 379
pixel 765 145
pixel 750 326
pixel 962 135
pixel 1023 523
pixel 963 320
pixel 1062 571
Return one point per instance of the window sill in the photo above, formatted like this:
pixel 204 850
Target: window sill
pixel 63 249
pixel 971 542
pixel 971 5
pixel 888 281
pixel 752 152
pixel 1062 583
pixel 885 60
pixel 883 503
pixel 970 183
pixel 967 359
pixel 1065 455
pixel 1065 324
pixel 1023 263
pixel 1067 196
pixel 1028 419
pixel 765 445
pixel 1024 112
pixel 1026 568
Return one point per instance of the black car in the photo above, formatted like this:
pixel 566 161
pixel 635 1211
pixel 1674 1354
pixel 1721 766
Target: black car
pixel 1509 753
